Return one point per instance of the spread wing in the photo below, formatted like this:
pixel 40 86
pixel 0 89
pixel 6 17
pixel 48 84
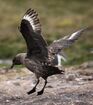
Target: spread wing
pixel 32 16
pixel 31 31
pixel 65 42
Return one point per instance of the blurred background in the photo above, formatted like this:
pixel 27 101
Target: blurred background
pixel 58 18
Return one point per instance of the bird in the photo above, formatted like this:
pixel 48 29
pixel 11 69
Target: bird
pixel 41 59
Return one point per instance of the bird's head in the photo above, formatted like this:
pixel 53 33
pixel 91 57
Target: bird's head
pixel 18 59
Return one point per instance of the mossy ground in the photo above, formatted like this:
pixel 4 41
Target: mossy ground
pixel 58 18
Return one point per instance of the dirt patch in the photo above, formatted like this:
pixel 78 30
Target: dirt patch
pixel 72 88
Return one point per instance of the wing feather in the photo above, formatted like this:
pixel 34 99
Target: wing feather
pixel 31 31
pixel 66 41
pixel 32 16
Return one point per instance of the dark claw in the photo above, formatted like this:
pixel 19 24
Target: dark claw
pixel 40 92
pixel 31 91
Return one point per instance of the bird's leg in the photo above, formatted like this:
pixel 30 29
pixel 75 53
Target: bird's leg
pixel 41 92
pixel 34 88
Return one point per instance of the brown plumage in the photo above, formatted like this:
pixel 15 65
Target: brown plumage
pixel 36 58
pixel 40 58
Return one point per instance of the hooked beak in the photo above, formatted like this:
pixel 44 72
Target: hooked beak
pixel 12 66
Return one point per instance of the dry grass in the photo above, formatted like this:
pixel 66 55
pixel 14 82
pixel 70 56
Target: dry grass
pixel 58 18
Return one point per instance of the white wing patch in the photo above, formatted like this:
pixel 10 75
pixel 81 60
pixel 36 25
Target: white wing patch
pixel 73 35
pixel 76 34
pixel 32 17
pixel 27 17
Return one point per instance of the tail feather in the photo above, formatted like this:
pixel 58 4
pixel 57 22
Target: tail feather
pixel 54 70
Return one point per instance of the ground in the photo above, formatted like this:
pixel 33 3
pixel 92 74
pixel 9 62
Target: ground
pixel 75 87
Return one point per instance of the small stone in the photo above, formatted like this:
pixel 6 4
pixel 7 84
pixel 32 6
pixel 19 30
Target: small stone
pixel 7 101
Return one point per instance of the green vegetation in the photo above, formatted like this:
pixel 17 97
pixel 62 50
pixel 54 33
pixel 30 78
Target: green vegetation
pixel 58 18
